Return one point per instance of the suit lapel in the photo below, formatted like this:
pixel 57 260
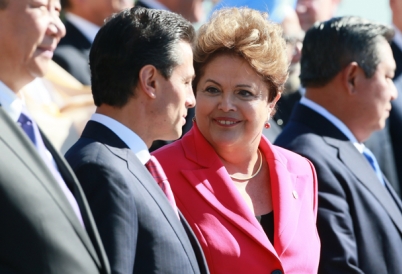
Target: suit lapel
pixel 17 141
pixel 286 208
pixel 103 134
pixel 361 168
pixel 213 183
pixel 351 157
pixel 148 182
pixel 72 182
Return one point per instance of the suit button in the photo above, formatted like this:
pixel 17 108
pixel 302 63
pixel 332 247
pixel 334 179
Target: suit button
pixel 276 272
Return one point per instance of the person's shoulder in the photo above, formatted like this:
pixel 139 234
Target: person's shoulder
pixel 173 149
pixel 172 155
pixel 86 150
pixel 295 162
pixel 299 139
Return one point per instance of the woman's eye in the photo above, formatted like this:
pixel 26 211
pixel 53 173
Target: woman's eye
pixel 244 93
pixel 212 90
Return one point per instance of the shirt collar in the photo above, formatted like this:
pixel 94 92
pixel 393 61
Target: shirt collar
pixel 334 120
pixel 10 102
pixel 153 4
pixel 88 29
pixel 129 137
pixel 398 37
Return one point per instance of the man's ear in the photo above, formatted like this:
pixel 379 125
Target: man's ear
pixel 147 80
pixel 350 74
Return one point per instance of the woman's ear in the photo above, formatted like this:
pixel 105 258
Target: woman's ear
pixel 276 99
pixel 147 80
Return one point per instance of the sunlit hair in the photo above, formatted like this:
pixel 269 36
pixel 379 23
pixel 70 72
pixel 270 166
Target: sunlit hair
pixel 247 33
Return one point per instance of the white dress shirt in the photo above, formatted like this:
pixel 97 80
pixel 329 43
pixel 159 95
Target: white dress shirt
pixel 153 4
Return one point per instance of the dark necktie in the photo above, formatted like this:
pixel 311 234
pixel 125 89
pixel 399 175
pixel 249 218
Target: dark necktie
pixel 27 126
pixel 374 164
pixel 159 175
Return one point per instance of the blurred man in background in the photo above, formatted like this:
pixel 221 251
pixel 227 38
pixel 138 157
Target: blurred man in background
pixel 83 20
pixel 311 11
pixel 190 9
pixel 395 118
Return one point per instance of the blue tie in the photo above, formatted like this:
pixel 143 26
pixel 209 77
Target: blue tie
pixel 373 162
pixel 27 126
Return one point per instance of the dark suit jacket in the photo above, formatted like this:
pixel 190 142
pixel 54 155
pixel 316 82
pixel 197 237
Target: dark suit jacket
pixel 285 106
pixel 139 229
pixel 359 220
pixel 395 117
pixel 379 142
pixel 72 54
pixel 40 232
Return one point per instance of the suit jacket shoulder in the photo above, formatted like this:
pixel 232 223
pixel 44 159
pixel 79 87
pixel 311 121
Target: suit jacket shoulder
pixel 37 211
pixel 138 227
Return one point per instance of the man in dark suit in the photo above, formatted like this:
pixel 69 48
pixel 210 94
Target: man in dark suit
pixel 83 20
pixel 348 97
pixel 141 67
pixel 47 226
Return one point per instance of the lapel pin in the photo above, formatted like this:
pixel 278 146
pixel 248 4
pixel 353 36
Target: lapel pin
pixel 295 194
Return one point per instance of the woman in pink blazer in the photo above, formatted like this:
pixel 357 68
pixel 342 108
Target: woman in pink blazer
pixel 252 205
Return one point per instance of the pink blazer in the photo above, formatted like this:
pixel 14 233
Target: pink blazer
pixel 232 239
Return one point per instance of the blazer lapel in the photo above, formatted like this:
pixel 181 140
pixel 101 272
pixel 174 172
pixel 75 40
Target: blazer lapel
pixel 22 146
pixel 286 208
pixel 221 194
pixel 361 168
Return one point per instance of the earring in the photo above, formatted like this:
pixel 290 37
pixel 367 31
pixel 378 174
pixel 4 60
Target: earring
pixel 267 125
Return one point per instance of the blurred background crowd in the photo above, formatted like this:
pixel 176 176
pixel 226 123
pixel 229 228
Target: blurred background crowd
pixel 63 101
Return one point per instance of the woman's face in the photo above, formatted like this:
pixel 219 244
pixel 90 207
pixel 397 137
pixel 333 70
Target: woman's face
pixel 232 103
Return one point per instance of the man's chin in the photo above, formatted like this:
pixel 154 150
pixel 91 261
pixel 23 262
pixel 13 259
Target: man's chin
pixel 39 70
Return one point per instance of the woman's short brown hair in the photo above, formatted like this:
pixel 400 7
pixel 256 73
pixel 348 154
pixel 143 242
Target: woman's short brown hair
pixel 247 33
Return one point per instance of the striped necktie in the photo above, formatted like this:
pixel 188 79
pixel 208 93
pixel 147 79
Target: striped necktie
pixel 159 175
